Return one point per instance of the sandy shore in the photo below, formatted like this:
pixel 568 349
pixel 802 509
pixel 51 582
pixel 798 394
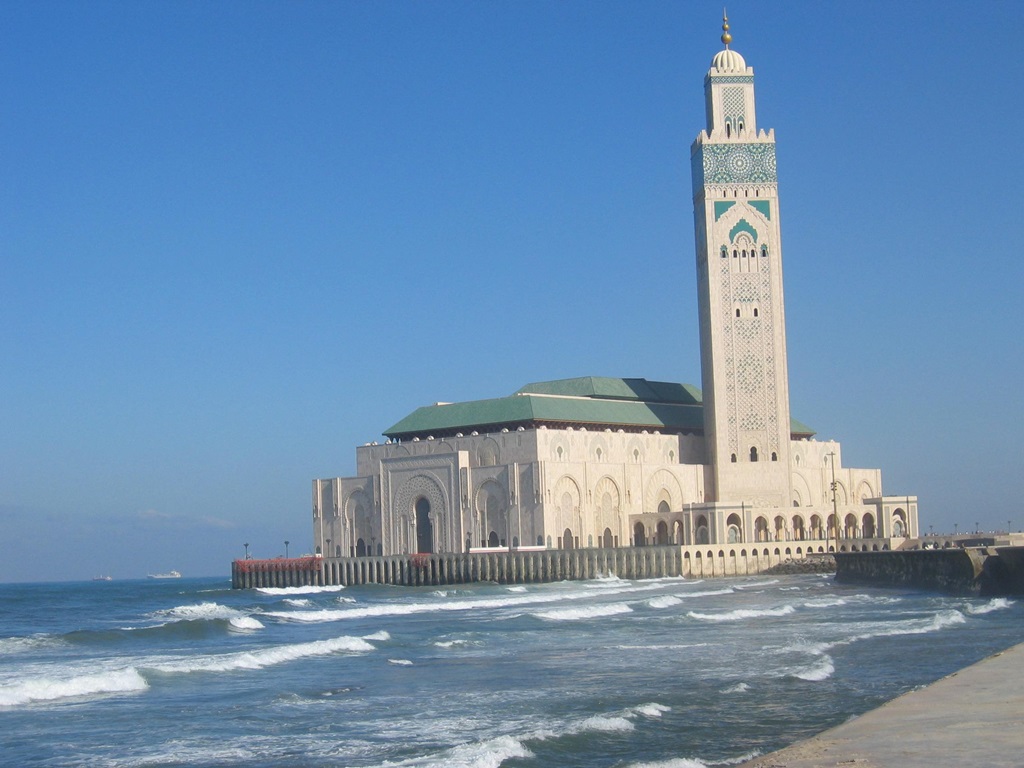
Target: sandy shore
pixel 973 717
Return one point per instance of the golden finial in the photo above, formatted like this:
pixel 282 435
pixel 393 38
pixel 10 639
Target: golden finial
pixel 726 37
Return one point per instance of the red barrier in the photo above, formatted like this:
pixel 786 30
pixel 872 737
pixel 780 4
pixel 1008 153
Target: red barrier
pixel 279 564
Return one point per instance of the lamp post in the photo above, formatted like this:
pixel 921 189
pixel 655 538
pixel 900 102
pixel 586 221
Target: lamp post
pixel 328 552
pixel 246 545
pixel 286 542
pixel 835 508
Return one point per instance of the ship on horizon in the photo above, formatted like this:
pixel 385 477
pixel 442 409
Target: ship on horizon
pixel 168 575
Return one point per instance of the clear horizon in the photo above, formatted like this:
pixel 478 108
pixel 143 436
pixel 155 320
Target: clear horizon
pixel 238 240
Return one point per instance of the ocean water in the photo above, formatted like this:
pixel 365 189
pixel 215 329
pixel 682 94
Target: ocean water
pixel 667 673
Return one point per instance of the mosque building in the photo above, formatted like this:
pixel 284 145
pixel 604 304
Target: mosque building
pixel 610 462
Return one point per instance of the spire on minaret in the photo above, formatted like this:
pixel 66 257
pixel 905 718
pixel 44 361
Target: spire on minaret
pixel 726 37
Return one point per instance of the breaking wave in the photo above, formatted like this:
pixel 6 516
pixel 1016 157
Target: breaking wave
pixel 245 623
pixel 197 612
pixel 996 604
pixel 73 686
pixel 743 613
pixel 311 590
pixel 822 669
pixel 576 614
pixel 263 658
pixel 666 601
pixel 465 604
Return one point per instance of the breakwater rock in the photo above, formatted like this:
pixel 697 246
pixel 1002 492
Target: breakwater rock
pixel 823 563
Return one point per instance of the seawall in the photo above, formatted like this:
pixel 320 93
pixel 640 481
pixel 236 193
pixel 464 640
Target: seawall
pixel 972 718
pixel 518 566
pixel 957 571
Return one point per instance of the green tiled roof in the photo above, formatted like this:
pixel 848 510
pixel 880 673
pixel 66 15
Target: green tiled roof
pixel 632 404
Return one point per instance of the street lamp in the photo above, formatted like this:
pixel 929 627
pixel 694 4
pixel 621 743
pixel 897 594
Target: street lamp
pixel 286 549
pixel 835 509
pixel 328 553
pixel 246 545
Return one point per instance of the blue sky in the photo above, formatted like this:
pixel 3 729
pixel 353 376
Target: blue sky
pixel 238 239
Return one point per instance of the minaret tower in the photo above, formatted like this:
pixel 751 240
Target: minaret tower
pixel 739 278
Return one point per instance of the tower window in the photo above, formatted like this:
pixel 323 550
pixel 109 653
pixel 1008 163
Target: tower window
pixel 753 453
pixel 725 252
pixel 737 312
pixel 733 459
pixel 755 311
pixel 764 251
pixel 735 253
pixel 775 457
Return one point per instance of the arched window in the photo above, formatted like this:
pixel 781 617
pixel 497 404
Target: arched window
pixel 725 252
pixel 735 253
pixel 737 311
pixel 733 459
pixel 755 311
pixel 775 456
pixel 753 453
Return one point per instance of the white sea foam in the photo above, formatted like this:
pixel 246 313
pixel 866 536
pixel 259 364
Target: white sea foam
pixel 939 621
pixel 737 760
pixel 516 588
pixel 483 754
pixel 738 688
pixel 53 688
pixel 400 662
pixel 381 636
pixel 825 602
pixel 310 590
pixel 197 612
pixel 245 623
pixel 576 614
pixel 652 710
pixel 264 658
pixel 299 602
pixel 669 647
pixel 743 613
pixel 756 584
pixel 465 604
pixel 602 724
pixel 708 593
pixel 9 645
pixel 450 643
pixel 821 669
pixel 996 604
pixel 665 601
pixel 674 762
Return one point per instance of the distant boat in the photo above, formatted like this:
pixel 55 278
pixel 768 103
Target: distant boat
pixel 168 575
pixel 102 578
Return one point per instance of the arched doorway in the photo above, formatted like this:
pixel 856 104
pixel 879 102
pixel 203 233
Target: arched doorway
pixel 607 541
pixel 424 528
pixel 567 542
pixel 492 540
pixel 662 533
pixel 639 539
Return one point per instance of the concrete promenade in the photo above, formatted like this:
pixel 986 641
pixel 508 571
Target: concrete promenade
pixel 974 717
